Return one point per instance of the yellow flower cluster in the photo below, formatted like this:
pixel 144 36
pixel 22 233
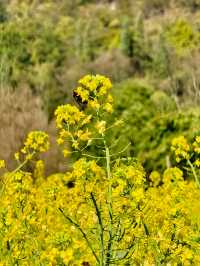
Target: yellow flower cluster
pixel 37 141
pixel 181 148
pixel 2 164
pixel 188 154
pixel 196 147
pixel 172 175
pixel 39 169
pixel 68 115
pixel 101 126
pixel 77 128
pixel 196 144
pixel 162 222
pixel 71 123
pixel 155 178
pixel 94 90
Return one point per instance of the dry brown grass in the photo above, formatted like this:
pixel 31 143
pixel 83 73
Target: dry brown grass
pixel 20 113
pixel 113 64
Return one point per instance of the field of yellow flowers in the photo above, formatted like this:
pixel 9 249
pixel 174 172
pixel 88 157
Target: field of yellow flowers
pixel 105 210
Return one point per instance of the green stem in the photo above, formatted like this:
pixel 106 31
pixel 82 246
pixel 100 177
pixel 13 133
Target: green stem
pixel 22 164
pixel 110 209
pixel 15 171
pixel 194 173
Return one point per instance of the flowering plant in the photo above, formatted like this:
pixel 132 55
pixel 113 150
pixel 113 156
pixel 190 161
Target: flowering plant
pixel 105 210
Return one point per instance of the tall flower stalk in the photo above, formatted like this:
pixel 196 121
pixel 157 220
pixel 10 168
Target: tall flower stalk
pixel 82 127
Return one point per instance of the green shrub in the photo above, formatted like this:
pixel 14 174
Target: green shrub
pixel 183 36
pixel 151 120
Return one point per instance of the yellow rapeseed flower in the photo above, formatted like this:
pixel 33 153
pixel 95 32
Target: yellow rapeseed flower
pixel 101 126
pixel 2 164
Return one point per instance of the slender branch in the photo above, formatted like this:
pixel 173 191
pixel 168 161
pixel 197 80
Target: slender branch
pixel 114 154
pixel 115 142
pixel 82 232
pixel 91 156
pixel 22 164
pixel 88 144
pixel 98 213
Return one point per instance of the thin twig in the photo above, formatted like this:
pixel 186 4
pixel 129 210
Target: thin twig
pixel 91 156
pixel 114 154
pixel 98 214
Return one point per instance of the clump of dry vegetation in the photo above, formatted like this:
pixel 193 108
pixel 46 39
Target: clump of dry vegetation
pixel 21 113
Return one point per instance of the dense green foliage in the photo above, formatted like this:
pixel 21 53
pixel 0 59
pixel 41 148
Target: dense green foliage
pixel 151 119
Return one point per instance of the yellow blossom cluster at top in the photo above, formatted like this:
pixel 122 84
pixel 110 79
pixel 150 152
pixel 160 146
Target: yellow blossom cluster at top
pixel 78 127
pixel 94 89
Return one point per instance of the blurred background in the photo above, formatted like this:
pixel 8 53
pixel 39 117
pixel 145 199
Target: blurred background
pixel 150 49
